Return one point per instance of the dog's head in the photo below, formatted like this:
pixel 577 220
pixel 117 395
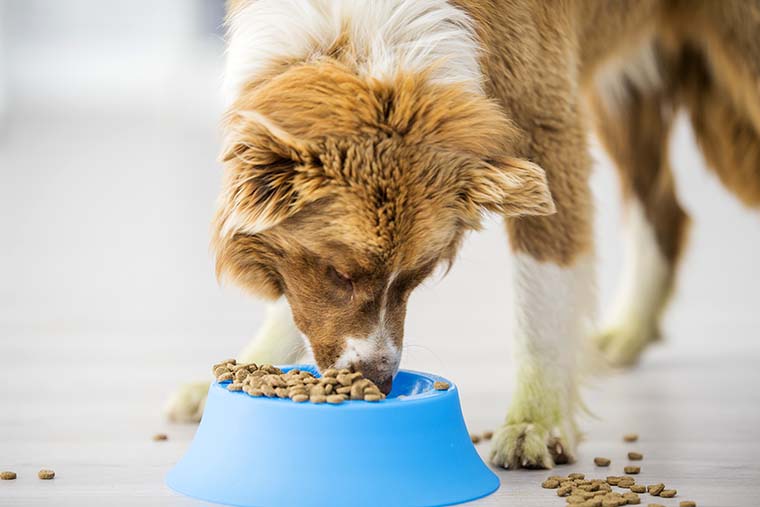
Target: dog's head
pixel 343 194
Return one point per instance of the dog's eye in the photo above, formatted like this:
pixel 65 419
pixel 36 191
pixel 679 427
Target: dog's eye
pixel 340 279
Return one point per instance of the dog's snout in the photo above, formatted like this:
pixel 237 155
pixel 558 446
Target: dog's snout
pixel 379 371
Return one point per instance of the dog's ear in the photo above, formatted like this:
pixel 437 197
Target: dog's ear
pixel 509 186
pixel 270 175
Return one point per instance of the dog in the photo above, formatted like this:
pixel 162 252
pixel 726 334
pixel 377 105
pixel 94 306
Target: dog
pixel 364 139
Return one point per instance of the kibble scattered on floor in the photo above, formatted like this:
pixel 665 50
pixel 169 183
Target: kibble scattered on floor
pixel 46 474
pixel 7 475
pixel 581 491
pixel 334 386
pixel 160 437
pixel 630 437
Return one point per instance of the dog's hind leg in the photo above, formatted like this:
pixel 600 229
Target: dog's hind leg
pixel 554 292
pixel 634 128
pixel 277 342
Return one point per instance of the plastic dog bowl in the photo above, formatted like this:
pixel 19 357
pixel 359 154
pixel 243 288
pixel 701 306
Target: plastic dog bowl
pixel 411 449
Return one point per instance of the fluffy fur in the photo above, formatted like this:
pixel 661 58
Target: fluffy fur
pixel 364 139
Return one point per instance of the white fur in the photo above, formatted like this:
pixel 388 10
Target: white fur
pixel 388 36
pixel 378 345
pixel 555 310
pixel 638 68
pixel 646 275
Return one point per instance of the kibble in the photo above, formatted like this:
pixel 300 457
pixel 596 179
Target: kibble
pixel 635 456
pixel 335 386
pixel 633 470
pixel 655 489
pixel 630 437
pixel 668 493
pixel 7 475
pixel 441 386
pixel 487 435
pixel 45 474
pixel 602 462
pixel 639 488
pixel 160 437
pixel 550 484
pixel 687 503
pixel 475 439
pixel 655 505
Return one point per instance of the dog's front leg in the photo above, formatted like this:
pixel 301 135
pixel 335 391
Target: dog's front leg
pixel 554 295
pixel 277 342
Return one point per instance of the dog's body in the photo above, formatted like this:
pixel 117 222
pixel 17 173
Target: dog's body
pixel 365 138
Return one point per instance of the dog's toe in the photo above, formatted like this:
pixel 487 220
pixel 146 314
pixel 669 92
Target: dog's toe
pixel 527 445
pixel 187 403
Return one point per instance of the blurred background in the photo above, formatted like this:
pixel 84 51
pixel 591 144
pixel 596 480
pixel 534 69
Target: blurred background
pixel 109 137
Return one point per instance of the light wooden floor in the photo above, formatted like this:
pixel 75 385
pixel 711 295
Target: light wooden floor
pixel 89 414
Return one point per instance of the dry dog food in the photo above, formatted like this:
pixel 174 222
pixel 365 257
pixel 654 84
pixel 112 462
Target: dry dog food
pixel 687 503
pixel 475 438
pixel 639 488
pixel 602 462
pixel 668 493
pixel 655 505
pixel 655 489
pixel 633 470
pixel 7 476
pixel 160 437
pixel 630 437
pixel 487 435
pixel 635 456
pixel 45 474
pixel 334 387
pixel 441 386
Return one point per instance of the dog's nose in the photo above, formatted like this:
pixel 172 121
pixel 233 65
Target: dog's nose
pixel 379 373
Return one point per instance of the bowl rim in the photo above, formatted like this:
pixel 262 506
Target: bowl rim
pixel 425 396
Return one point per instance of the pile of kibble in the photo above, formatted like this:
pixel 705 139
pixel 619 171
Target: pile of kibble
pixel 334 386
pixel 579 491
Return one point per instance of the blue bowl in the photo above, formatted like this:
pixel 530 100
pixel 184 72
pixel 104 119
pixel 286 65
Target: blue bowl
pixel 411 449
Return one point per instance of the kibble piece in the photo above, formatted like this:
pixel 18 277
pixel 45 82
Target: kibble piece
pixel 626 482
pixel 226 377
pixel 630 437
pixel 575 499
pixel 474 438
pixel 45 474
pixel 160 437
pixel 668 493
pixel 613 480
pixel 687 503
pixel 343 390
pixel 632 498
pixel 564 490
pixel 335 399
pixel 550 484
pixel 639 488
pixel 576 476
pixel 655 489
pixel 300 398
pixel 330 373
pixel 602 462
pixel 317 398
pixel 635 456
pixel 235 386
pixel 372 397
pixel 7 475
pixel 633 470
pixel 441 386
pixel 655 505
pixel 487 435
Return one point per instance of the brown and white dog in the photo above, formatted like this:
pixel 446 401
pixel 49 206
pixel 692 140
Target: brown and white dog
pixel 364 139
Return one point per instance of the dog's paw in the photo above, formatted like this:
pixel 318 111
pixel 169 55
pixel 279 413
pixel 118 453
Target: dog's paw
pixel 529 445
pixel 622 345
pixel 187 403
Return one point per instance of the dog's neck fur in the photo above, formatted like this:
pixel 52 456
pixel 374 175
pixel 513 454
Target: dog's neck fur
pixel 379 40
